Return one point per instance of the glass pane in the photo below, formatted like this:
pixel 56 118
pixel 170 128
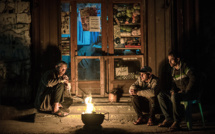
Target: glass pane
pixel 127 33
pixel 65 35
pixel 89 29
pixel 89 69
pixel 126 68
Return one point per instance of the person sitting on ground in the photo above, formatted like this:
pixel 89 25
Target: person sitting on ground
pixel 184 87
pixel 51 90
pixel 145 87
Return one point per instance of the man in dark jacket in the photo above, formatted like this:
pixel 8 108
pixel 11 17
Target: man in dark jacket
pixel 51 89
pixel 146 86
pixel 184 88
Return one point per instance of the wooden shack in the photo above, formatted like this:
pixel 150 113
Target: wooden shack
pixel 160 25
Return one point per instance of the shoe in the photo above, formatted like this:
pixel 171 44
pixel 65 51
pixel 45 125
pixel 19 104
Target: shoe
pixel 174 127
pixel 60 113
pixel 165 123
pixel 150 122
pixel 138 121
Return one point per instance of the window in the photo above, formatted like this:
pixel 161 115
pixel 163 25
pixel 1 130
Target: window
pixel 89 29
pixel 127 28
pixel 65 35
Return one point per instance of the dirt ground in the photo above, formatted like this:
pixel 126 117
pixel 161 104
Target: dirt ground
pixel 31 122
pixel 66 125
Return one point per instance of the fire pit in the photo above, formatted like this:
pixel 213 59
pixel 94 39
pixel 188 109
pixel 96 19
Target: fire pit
pixel 93 118
pixel 90 117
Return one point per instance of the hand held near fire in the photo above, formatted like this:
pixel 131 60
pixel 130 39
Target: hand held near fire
pixel 65 79
pixel 68 86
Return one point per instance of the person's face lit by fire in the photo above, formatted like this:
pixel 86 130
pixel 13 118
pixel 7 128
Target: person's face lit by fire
pixel 173 62
pixel 144 76
pixel 62 69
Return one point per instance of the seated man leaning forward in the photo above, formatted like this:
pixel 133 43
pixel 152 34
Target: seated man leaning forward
pixel 185 86
pixel 51 89
pixel 144 87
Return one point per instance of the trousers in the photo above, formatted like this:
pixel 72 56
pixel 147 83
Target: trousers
pixel 52 95
pixel 57 93
pixel 142 104
pixel 170 105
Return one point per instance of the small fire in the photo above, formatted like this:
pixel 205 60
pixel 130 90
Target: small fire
pixel 89 105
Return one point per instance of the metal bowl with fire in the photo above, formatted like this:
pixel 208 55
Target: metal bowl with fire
pixel 90 117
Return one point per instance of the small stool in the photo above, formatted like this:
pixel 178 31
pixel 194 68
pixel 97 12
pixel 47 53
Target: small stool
pixel 188 112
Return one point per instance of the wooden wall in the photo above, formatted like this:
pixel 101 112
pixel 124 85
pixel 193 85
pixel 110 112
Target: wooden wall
pixel 171 24
pixel 158 35
pixel 45 37
pixel 187 29
pixel 46 32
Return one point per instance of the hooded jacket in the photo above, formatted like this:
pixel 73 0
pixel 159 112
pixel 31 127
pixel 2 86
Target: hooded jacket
pixel 184 78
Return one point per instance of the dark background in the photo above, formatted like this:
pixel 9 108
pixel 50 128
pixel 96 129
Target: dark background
pixel 203 51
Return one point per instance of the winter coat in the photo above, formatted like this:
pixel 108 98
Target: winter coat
pixel 151 86
pixel 43 98
pixel 184 79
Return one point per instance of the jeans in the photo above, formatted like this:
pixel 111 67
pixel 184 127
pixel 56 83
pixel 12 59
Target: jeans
pixel 170 105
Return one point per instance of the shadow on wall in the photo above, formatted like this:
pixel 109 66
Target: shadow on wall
pixel 50 57
pixel 47 61
pixel 164 74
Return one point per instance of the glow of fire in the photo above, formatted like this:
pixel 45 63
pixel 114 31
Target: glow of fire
pixel 89 105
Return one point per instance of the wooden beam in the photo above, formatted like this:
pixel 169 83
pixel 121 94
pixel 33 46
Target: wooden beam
pixel 168 29
pixel 110 28
pixel 145 29
pixel 112 56
pixel 104 8
pixel 197 16
pixel 73 44
pixel 151 33
pixel 159 35
pixel 76 77
pixel 142 21
pixel 187 19
pixel 102 76
pixel 180 25
pixel 111 73
pixel 36 47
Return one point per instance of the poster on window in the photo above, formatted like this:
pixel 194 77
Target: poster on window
pixel 121 71
pixel 94 23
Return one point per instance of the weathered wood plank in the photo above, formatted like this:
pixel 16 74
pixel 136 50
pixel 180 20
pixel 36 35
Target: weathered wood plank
pixel 151 34
pixel 142 28
pixel 104 7
pixel 102 77
pixel 110 28
pixel 73 45
pixel 159 34
pixel 168 29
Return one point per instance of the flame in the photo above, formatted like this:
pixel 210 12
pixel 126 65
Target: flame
pixel 89 105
